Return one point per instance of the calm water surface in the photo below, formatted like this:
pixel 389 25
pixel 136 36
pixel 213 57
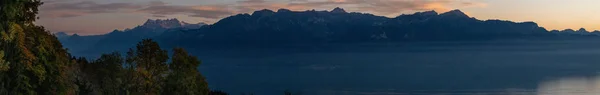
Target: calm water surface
pixel 434 68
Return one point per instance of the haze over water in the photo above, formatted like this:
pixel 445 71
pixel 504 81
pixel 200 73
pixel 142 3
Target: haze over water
pixel 422 68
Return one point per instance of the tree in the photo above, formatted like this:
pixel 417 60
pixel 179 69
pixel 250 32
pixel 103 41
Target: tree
pixel 32 61
pixel 184 78
pixel 84 86
pixel 3 68
pixel 3 64
pixel 107 73
pixel 38 63
pixel 22 12
pixel 150 64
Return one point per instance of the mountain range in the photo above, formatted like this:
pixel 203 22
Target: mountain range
pixel 118 39
pixel 285 27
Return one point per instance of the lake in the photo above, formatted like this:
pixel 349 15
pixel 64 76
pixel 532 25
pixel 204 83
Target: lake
pixel 514 67
pixel 416 68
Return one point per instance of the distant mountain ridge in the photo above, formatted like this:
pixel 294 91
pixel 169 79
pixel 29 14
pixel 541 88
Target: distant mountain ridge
pixel 118 39
pixel 266 27
pixel 283 27
pixel 168 23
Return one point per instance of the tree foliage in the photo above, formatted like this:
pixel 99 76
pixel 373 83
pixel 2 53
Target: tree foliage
pixel 33 61
pixel 143 71
pixel 184 78
pixel 150 64
pixel 38 62
pixel 106 74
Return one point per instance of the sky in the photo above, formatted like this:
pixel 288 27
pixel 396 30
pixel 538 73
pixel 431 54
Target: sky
pixel 93 17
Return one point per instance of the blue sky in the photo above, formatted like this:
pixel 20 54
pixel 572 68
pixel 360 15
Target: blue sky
pixel 89 17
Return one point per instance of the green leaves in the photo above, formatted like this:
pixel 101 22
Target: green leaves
pixel 32 61
pixel 151 66
pixel 107 73
pixel 19 11
pixel 13 30
pixel 184 78
pixel 144 71
pixel 4 65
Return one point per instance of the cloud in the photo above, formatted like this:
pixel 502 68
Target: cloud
pixel 66 8
pixel 474 4
pixel 298 0
pixel 252 1
pixel 92 7
pixel 382 7
pixel 74 8
pixel 212 12
pixel 159 16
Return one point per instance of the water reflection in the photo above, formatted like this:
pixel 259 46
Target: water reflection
pixel 571 86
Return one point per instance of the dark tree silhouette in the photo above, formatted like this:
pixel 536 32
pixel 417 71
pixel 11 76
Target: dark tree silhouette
pixel 184 78
pixel 150 63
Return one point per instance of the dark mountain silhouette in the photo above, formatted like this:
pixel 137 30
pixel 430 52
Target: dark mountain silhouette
pixel 580 32
pixel 338 10
pixel 287 27
pixel 284 27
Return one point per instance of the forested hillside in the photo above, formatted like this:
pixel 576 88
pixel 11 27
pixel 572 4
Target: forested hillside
pixel 34 62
